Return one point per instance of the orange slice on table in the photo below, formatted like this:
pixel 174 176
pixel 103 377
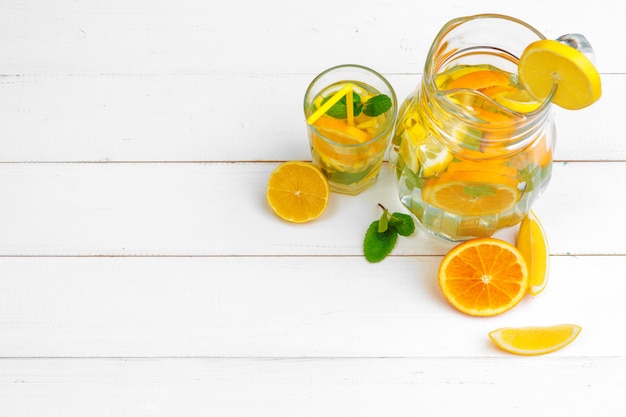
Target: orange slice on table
pixel 547 63
pixel 533 244
pixel 471 193
pixel 297 191
pixel 483 277
pixel 535 340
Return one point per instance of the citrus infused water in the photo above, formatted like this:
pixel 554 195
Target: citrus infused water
pixel 472 157
pixel 349 124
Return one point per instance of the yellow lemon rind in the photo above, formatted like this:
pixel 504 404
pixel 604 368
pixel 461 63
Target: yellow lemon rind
pixel 527 341
pixel 532 242
pixel 547 62
pixel 273 195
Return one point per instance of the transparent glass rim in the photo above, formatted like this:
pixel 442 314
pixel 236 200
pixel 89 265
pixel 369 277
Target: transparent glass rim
pixel 527 122
pixel 429 67
pixel 394 105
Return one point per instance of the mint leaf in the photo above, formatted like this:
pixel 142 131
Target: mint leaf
pixel 383 222
pixel 340 109
pixel 478 191
pixel 381 235
pixel 402 223
pixel 376 246
pixel 346 177
pixel 412 179
pixel 377 105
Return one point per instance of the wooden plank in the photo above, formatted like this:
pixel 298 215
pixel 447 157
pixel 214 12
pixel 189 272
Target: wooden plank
pixel 198 36
pixel 217 117
pixel 220 209
pixel 283 307
pixel 313 387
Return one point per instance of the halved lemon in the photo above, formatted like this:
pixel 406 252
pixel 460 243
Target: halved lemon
pixel 533 244
pixel 534 340
pixel 297 191
pixel 547 63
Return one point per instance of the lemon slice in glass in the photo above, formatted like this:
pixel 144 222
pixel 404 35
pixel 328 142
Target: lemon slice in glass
pixel 547 63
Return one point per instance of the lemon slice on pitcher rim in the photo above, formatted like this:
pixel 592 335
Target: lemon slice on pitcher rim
pixel 546 63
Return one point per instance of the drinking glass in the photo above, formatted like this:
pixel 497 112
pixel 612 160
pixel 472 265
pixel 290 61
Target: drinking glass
pixel 347 144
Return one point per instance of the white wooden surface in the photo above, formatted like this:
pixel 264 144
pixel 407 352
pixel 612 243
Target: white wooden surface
pixel 142 273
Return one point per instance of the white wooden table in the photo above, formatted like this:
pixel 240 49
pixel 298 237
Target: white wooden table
pixel 143 274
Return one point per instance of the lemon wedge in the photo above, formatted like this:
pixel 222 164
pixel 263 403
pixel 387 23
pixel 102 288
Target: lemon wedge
pixel 546 63
pixel 534 340
pixel 533 244
pixel 434 158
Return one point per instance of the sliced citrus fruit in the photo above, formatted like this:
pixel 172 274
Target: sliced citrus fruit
pixel 297 191
pixel 471 193
pixel 534 340
pixel 433 158
pixel 517 100
pixel 407 151
pixel 533 244
pixel 336 144
pixel 467 165
pixel 483 277
pixel 340 131
pixel 479 80
pixel 547 63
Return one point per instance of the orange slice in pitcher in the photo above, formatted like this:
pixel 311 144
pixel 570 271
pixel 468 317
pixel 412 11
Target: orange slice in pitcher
pixel 480 80
pixel 467 165
pixel 547 63
pixel 471 193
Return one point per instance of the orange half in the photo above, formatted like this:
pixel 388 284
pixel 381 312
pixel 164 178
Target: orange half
pixel 483 277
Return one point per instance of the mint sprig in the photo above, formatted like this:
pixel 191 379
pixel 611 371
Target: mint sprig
pixel 382 234
pixel 377 105
pixel 373 107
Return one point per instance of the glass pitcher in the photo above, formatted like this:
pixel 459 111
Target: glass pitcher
pixel 472 150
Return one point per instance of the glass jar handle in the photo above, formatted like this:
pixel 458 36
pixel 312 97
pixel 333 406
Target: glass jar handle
pixel 579 42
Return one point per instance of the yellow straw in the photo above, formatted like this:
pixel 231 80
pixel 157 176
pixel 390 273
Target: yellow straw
pixel 350 106
pixel 331 102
